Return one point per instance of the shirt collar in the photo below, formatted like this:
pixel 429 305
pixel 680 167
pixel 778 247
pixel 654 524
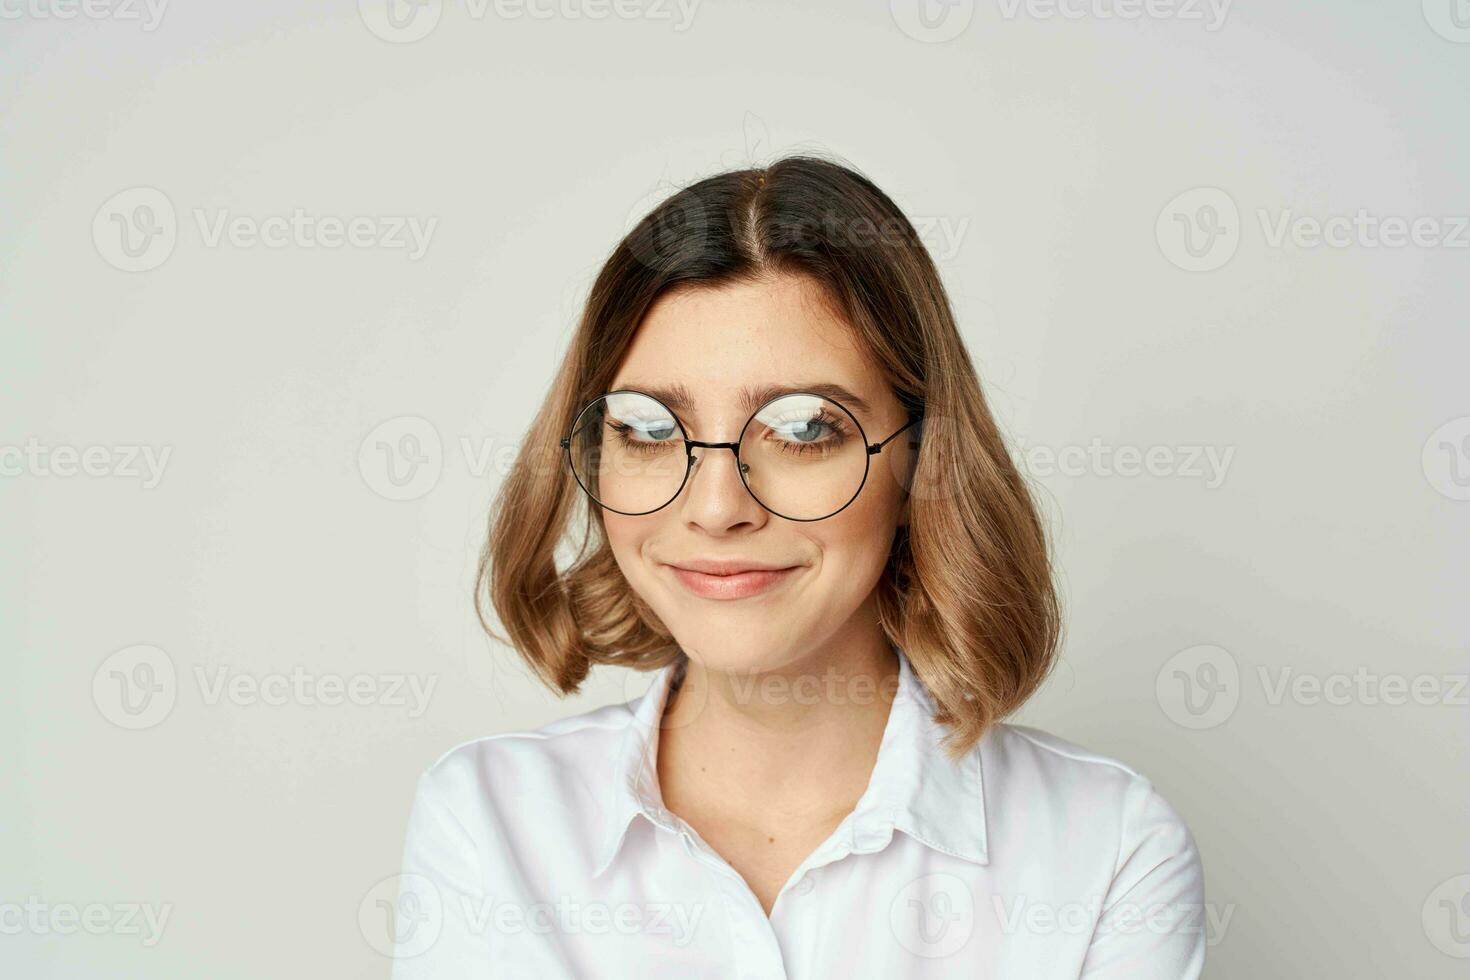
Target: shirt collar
pixel 915 787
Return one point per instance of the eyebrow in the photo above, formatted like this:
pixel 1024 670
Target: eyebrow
pixel 752 397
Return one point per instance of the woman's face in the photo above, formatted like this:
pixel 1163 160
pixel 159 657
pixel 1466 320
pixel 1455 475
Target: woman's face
pixel 712 342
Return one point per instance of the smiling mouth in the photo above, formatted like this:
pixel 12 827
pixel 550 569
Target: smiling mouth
pixel 740 585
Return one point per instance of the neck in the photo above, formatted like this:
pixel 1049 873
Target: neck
pixel 791 741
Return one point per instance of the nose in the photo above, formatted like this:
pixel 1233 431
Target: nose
pixel 741 468
pixel 715 496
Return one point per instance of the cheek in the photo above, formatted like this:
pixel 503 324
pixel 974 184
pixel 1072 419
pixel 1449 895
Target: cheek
pixel 856 542
pixel 620 529
pixel 625 535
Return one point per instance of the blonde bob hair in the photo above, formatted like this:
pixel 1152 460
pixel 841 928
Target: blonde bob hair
pixel 967 592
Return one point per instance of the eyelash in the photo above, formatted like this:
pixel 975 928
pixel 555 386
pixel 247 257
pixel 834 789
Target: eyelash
pixel 837 427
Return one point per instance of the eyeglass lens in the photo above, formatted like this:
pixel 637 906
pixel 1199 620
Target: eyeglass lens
pixel 802 456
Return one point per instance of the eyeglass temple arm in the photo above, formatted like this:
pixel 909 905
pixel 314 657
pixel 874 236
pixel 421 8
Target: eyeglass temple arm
pixel 877 447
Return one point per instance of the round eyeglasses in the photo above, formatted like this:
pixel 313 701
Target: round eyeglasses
pixel 802 456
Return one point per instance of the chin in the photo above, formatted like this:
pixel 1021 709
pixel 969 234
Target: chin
pixel 736 648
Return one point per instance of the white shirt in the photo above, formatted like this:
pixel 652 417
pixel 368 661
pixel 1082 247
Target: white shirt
pixel 549 854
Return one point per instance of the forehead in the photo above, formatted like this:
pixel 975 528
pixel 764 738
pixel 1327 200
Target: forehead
pixel 732 347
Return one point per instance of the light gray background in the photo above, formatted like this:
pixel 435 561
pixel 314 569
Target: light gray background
pixel 290 385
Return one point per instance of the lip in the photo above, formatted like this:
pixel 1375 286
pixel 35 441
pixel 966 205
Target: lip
pixel 729 579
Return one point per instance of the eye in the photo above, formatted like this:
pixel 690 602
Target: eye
pixel 808 433
pixel 644 430
pixel 804 430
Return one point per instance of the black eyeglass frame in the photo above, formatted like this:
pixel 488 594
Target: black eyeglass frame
pixel 872 449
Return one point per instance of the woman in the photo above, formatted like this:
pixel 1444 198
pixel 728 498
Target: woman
pixel 802 521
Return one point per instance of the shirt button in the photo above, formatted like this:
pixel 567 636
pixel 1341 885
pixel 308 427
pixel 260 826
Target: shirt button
pixel 803 886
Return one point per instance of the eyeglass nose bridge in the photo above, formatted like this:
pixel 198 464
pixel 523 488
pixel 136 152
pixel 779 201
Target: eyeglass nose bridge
pixel 691 444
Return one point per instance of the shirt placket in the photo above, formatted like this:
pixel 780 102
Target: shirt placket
pixel 752 933
pixel 757 950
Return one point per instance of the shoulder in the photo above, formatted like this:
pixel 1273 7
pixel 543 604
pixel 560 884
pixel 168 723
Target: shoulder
pixel 1109 840
pixel 564 761
pixel 1037 781
pixel 1056 770
pixel 1028 755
